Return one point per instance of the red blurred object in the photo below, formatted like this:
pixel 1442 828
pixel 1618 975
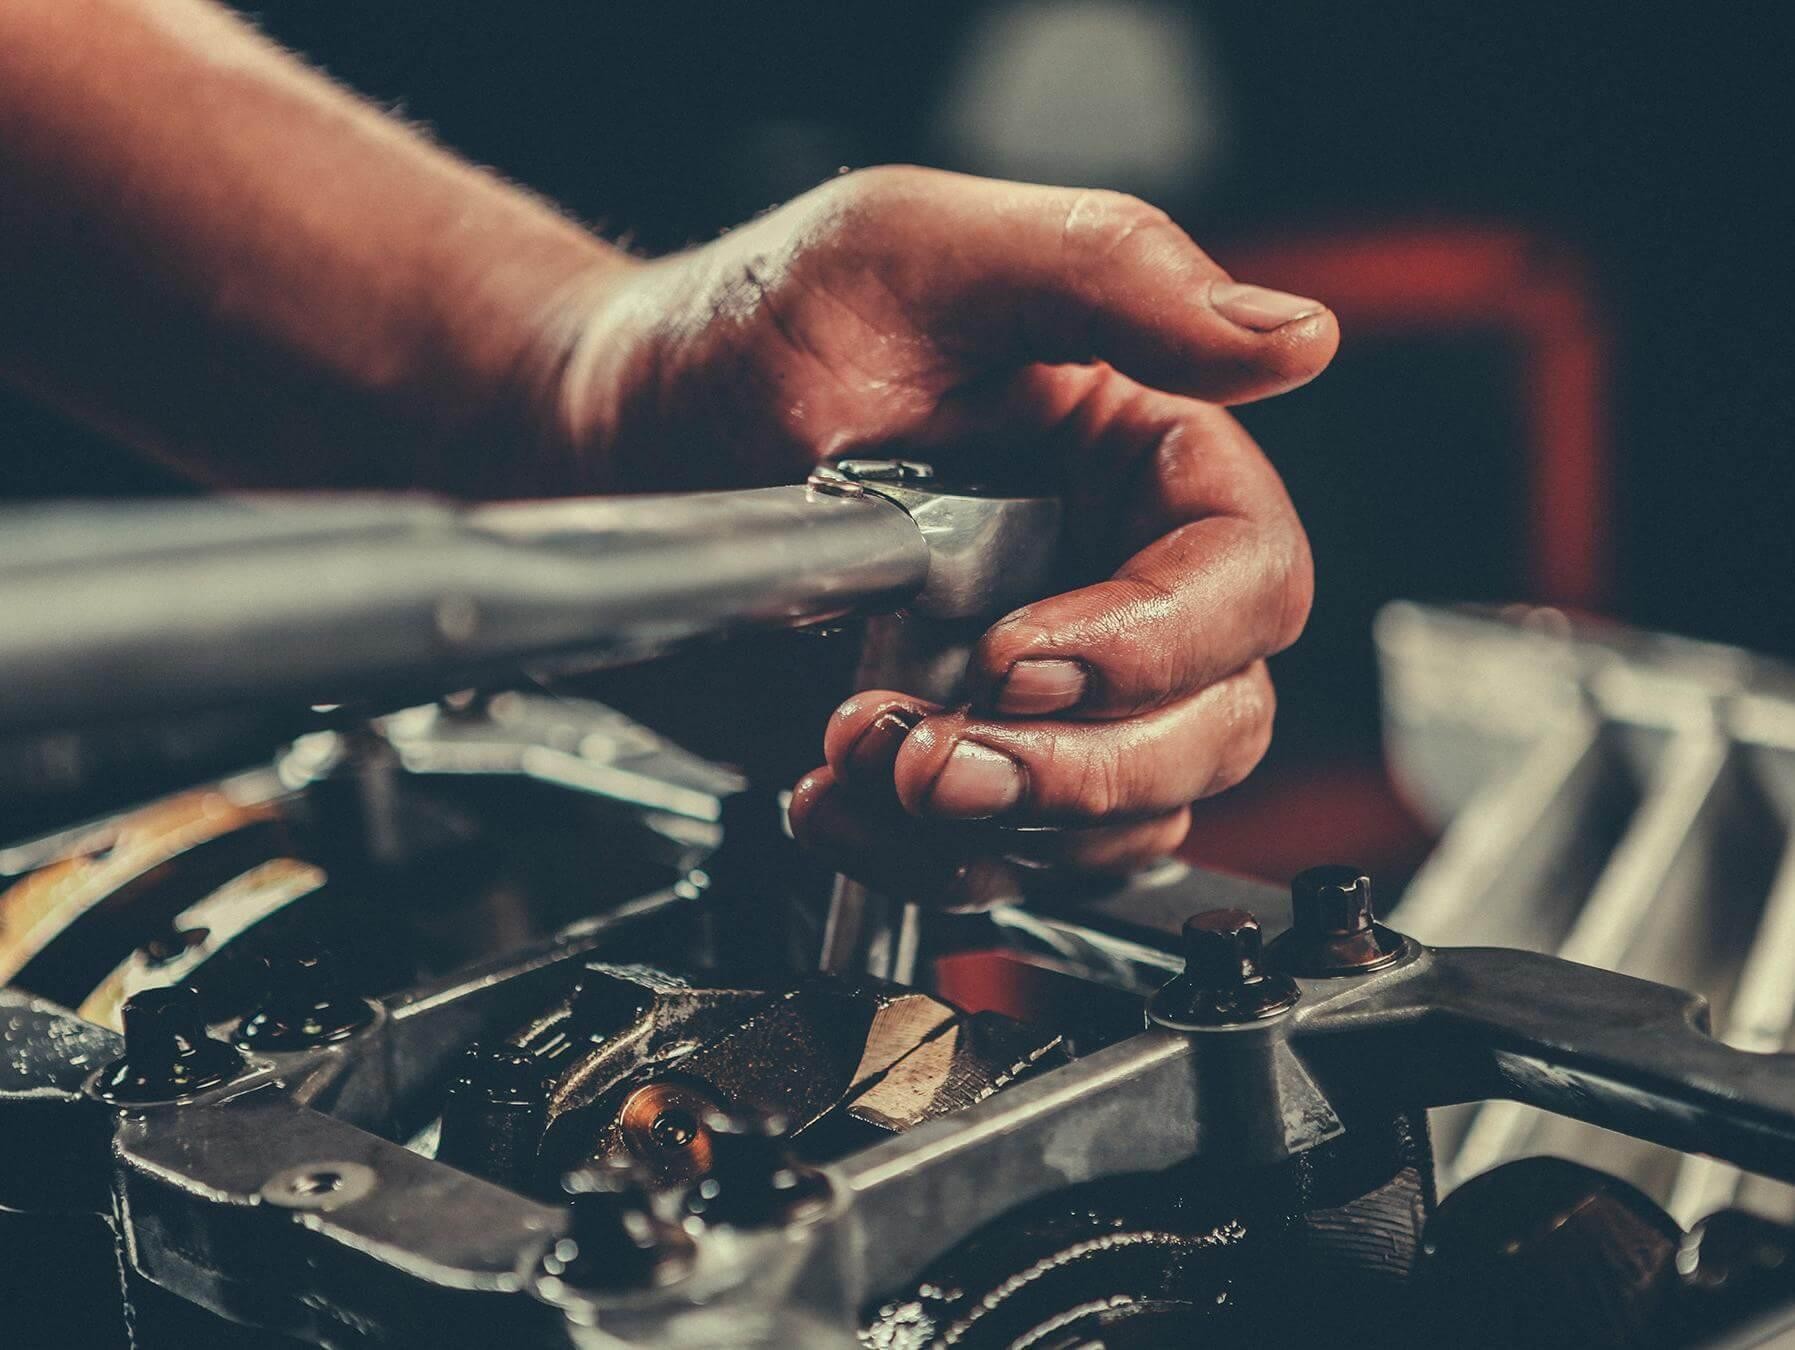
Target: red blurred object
pixel 995 982
pixel 1279 822
pixel 1452 279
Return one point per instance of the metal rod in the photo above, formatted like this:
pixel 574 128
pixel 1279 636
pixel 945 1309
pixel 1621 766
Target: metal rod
pixel 1130 1107
pixel 1613 1051
pixel 117 610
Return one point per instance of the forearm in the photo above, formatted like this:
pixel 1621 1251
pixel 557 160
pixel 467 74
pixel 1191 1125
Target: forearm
pixel 216 254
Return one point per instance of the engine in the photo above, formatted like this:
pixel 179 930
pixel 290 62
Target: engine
pixel 500 1019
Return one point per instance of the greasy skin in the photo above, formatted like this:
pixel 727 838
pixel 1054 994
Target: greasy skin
pixel 218 256
pixel 910 310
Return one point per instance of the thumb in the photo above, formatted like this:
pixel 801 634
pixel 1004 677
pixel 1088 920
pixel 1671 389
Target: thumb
pixel 1060 275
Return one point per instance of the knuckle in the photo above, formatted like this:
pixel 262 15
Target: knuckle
pixel 1093 226
pixel 1099 222
pixel 1252 709
pixel 806 795
pixel 1137 675
pixel 1176 830
pixel 1096 785
pixel 877 187
pixel 1140 668
pixel 1292 582
pixel 1160 837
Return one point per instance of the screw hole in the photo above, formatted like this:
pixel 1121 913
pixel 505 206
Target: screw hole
pixel 318 1183
pixel 319 1186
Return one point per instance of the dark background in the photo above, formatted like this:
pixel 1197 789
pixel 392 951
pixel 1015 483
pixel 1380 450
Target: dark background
pixel 1644 148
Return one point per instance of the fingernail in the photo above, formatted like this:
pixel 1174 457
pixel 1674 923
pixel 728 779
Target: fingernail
pixel 876 748
pixel 1257 308
pixel 1041 686
pixel 976 782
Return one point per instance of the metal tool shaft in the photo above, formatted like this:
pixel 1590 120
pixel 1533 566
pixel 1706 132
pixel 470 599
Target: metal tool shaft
pixel 991 553
pixel 115 610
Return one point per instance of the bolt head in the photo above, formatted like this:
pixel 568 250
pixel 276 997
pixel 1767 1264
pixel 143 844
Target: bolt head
pixel 1223 980
pixel 163 1022
pixel 1332 901
pixel 1222 948
pixel 663 1126
pixel 305 1002
pixel 1334 928
pixel 168 1052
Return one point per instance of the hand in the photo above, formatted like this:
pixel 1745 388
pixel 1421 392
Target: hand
pixel 916 312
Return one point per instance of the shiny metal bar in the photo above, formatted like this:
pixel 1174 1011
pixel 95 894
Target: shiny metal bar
pixel 1130 1107
pixel 116 610
pixel 991 553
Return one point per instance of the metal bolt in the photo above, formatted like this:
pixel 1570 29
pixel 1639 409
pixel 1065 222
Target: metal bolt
pixel 752 1180
pixel 1221 948
pixel 168 1052
pixel 1332 899
pixel 306 1002
pixel 495 1114
pixel 1334 928
pixel 1734 1254
pixel 1223 979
